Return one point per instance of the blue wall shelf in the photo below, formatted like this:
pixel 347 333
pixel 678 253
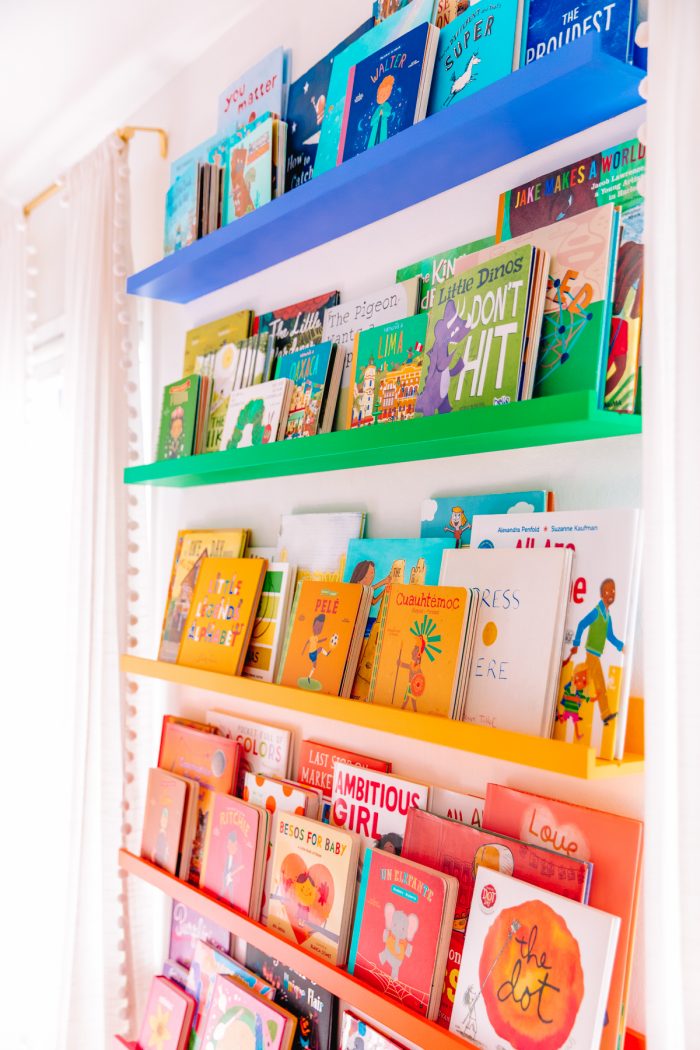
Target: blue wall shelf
pixel 562 94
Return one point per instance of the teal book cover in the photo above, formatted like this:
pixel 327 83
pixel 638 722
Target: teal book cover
pixel 475 50
pixel 309 369
pixel 387 365
pixel 181 198
pixel 386 32
pixel 453 516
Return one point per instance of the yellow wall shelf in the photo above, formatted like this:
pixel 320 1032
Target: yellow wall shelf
pixel 553 755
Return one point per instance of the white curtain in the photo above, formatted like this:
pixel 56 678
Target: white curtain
pixel 672 507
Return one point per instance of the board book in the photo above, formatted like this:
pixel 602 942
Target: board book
pixel 375 805
pixel 208 339
pixel 359 1033
pixel 234 853
pixel 257 415
pixel 271 618
pixel 187 927
pixel 313 1007
pixel 239 1017
pixel 455 805
pixel 314 372
pixel 255 167
pixel 207 962
pixel 165 819
pixel 178 418
pixel 317 764
pixel 452 516
pixel 265 749
pixel 168 1016
pixel 317 543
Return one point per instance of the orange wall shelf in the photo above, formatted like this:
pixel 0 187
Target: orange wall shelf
pixel 537 752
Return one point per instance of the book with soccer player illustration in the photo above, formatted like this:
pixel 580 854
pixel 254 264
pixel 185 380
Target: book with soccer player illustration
pixel 386 367
pixel 452 516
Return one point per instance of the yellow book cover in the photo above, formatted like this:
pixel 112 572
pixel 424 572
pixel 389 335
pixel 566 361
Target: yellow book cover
pixel 318 641
pixel 191 548
pixel 420 648
pixel 222 614
pixel 210 337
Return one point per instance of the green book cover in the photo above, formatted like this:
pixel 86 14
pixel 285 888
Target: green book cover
pixel 178 418
pixel 477 336
pixel 437 269
pixel 387 364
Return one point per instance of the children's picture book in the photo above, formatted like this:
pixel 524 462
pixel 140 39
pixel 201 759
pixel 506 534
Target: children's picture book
pixel 609 177
pixel 261 89
pixel 314 371
pixel 262 658
pixel 181 211
pixel 401 934
pixel 317 764
pixel 467 809
pixel 178 418
pixel 256 415
pixel 475 50
pixel 375 805
pixel 283 796
pixel 265 749
pixel 386 369
pixel 166 811
pixel 454 961
pixel 313 1007
pixel 208 339
pixel 296 325
pixel 238 1016
pixel 207 962
pixel 306 106
pixel 535 967
pixel 552 25
pixel 191 548
pixel 387 91
pixel 317 543
pixel 175 972
pixel 342 323
pixel 437 269
pixel 220 620
pixel 255 163
pixel 358 1034
pixel 187 928
pixel 591 835
pixel 168 1016
pixel 452 516
pixel 229 859
pixel 235 367
pixel 596 658
pixel 313 874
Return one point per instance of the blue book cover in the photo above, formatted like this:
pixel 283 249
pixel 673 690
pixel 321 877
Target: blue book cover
pixel 309 368
pixel 553 24
pixel 417 12
pixel 474 51
pixel 452 516
pixel 181 198
pixel 261 89
pixel 306 106
pixel 382 93
pixel 377 563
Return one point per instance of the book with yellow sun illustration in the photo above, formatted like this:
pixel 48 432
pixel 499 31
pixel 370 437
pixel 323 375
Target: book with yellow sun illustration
pixel 168 1017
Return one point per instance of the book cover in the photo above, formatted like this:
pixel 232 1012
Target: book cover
pixel 313 1007
pixel 168 1016
pixel 262 658
pixel 359 1035
pixel 437 269
pixel 598 644
pixel 181 211
pixel 264 748
pixel 228 863
pixel 309 369
pixel 611 176
pixel 419 644
pixel 306 106
pixel 278 795
pixel 591 835
pixel 383 34
pixel 236 365
pixel 452 516
pixel 552 25
pixel 449 987
pixel 383 93
pixel 448 10
pixel 296 325
pixel 261 89
pixel 320 632
pixel 386 370
pixel 477 336
pixel 317 543
pixel 178 418
pixel 342 323
pixel 207 962
pixel 378 563
pixel 467 809
pixel 254 415
pixel 375 805
pixel 317 764
pixel 238 1017
pixel 191 548
pixel 187 927
pixel 220 619
pixel 475 50
pixel 214 336
pixel 166 799
pixel 535 968
pixel 251 172
pixel 175 972
pixel 313 870
pixel 398 928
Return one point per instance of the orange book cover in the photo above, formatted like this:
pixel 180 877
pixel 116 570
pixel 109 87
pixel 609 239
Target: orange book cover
pixel 222 613
pixel 166 799
pixel 322 625
pixel 420 648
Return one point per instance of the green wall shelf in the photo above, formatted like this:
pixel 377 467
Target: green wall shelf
pixel 522 424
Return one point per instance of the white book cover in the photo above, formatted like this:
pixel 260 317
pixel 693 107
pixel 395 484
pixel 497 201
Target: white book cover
pixel 270 624
pixel 317 543
pixel 535 968
pixel 599 633
pixel 261 89
pixel 280 796
pixel 266 749
pixel 341 324
pixel 514 668
pixel 467 809
pixel 254 414
pixel 375 805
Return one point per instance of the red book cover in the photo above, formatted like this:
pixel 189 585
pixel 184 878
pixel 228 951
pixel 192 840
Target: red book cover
pixel 454 959
pixel 229 853
pixel 459 850
pixel 398 923
pixel 317 762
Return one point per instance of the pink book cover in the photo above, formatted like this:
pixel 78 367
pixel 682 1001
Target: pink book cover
pixel 460 850
pixel 168 1016
pixel 612 843
pixel 229 853
pixel 187 927
pixel 210 759
pixel 206 964
pixel 238 1019
pixel 166 797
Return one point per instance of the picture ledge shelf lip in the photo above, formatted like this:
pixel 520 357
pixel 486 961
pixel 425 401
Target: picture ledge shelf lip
pixel 517 115
pixel 541 421
pixel 556 756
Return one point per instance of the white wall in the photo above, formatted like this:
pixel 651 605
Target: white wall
pixel 592 474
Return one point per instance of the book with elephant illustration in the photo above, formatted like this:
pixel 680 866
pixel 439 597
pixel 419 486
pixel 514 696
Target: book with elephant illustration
pixel 402 930
pixel 386 368
pixel 257 415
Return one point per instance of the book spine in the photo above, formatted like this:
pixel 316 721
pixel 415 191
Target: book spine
pixel 380 638
pixel 359 911
pixel 288 634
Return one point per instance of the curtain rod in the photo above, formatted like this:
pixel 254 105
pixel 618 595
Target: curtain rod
pixel 125 134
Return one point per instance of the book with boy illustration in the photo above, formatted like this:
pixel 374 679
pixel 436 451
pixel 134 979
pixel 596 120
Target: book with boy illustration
pixel 257 415
pixel 314 372
pixel 235 849
pixel 452 516
pixel 386 368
